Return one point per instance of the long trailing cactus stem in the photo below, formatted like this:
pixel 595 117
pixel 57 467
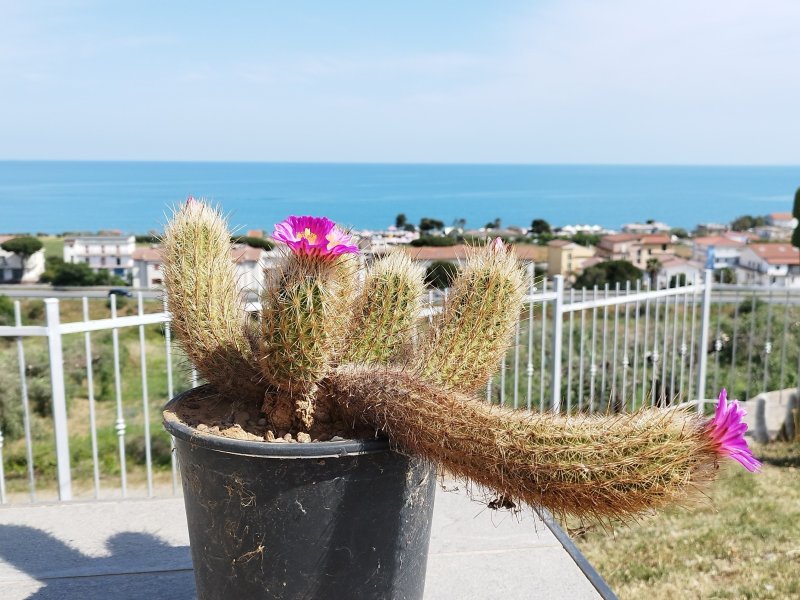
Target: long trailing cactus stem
pixel 305 315
pixel 470 337
pixel 208 317
pixel 385 311
pixel 589 466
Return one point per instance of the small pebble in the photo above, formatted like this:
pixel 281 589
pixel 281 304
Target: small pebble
pixel 303 437
pixel 202 427
pixel 269 436
pixel 288 437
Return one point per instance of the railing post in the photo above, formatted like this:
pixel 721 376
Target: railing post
pixel 558 330
pixel 705 325
pixel 59 398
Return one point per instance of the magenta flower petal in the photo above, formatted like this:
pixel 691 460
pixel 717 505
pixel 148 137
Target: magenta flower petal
pixel 313 236
pixel 727 429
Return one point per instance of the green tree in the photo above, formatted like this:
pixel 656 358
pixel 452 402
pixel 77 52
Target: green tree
pixel 440 274
pixel 796 215
pixel 586 239
pixel 540 226
pixel 427 224
pixel 400 221
pixel 652 268
pixel 679 232
pixel 610 272
pixel 725 275
pixel 253 242
pixel 433 240
pixel 24 247
pixel 746 222
pixel 60 273
pixel 678 280
pixel 496 224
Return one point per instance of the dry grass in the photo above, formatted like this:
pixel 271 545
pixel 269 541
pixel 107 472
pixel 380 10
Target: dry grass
pixel 744 544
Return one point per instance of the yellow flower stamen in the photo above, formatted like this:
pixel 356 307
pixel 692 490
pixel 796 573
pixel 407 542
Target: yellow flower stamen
pixel 308 235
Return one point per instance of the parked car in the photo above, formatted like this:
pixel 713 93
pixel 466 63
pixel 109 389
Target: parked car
pixel 120 292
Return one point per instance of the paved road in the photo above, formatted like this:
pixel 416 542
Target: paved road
pixel 48 292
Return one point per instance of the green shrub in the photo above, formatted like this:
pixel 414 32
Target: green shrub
pixel 440 274
pixel 433 240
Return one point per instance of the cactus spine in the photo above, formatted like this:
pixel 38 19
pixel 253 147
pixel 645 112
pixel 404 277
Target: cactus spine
pixel 304 319
pixel 208 317
pixel 385 311
pixel 590 466
pixel 470 337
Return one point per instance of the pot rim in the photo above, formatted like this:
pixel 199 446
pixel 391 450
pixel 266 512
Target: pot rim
pixel 330 449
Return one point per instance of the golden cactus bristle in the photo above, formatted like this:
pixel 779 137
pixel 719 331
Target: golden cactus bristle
pixel 303 322
pixel 385 310
pixel 605 467
pixel 470 337
pixel 208 316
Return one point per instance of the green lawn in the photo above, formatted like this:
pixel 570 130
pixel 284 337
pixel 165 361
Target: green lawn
pixel 53 246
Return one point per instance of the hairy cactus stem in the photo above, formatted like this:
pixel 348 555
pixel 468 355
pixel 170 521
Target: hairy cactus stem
pixel 605 467
pixel 208 316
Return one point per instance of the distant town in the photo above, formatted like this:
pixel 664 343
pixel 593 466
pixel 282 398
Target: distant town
pixel 751 250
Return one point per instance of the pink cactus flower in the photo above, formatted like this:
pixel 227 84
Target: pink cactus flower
pixel 727 429
pixel 314 236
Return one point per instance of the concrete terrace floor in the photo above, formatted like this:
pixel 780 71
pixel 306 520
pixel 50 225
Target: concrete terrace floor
pixel 131 549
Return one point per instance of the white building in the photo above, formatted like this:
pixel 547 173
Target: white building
pixel 250 266
pixel 769 264
pixel 773 233
pixel 13 271
pixel 381 242
pixel 644 228
pixel 672 266
pixel 725 251
pixel 110 252
pixel 784 220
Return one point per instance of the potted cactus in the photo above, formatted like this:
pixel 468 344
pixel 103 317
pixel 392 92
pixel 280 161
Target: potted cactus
pixel 308 459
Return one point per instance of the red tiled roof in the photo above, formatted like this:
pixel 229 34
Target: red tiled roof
pixel 717 240
pixel 246 254
pixel 777 254
pixel 656 239
pixel 559 243
pixel 458 252
pixel 148 254
pixel 621 237
pixel 590 262
pixel 784 216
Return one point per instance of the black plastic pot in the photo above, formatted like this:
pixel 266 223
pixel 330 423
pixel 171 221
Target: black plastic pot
pixel 348 519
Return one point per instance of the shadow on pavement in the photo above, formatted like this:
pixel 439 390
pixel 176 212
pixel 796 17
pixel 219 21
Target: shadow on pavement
pixel 138 565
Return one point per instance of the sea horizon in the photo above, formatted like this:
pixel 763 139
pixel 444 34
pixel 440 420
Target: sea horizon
pixel 56 196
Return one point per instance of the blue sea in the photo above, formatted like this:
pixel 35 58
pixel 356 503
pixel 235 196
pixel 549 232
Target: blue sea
pixel 54 197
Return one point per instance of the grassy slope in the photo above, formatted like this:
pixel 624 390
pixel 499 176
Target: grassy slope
pixel 745 544
pixel 53 246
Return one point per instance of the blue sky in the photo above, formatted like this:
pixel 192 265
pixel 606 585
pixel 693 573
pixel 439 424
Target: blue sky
pixel 566 81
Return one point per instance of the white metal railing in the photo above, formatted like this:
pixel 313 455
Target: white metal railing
pixel 577 350
pixel 53 332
